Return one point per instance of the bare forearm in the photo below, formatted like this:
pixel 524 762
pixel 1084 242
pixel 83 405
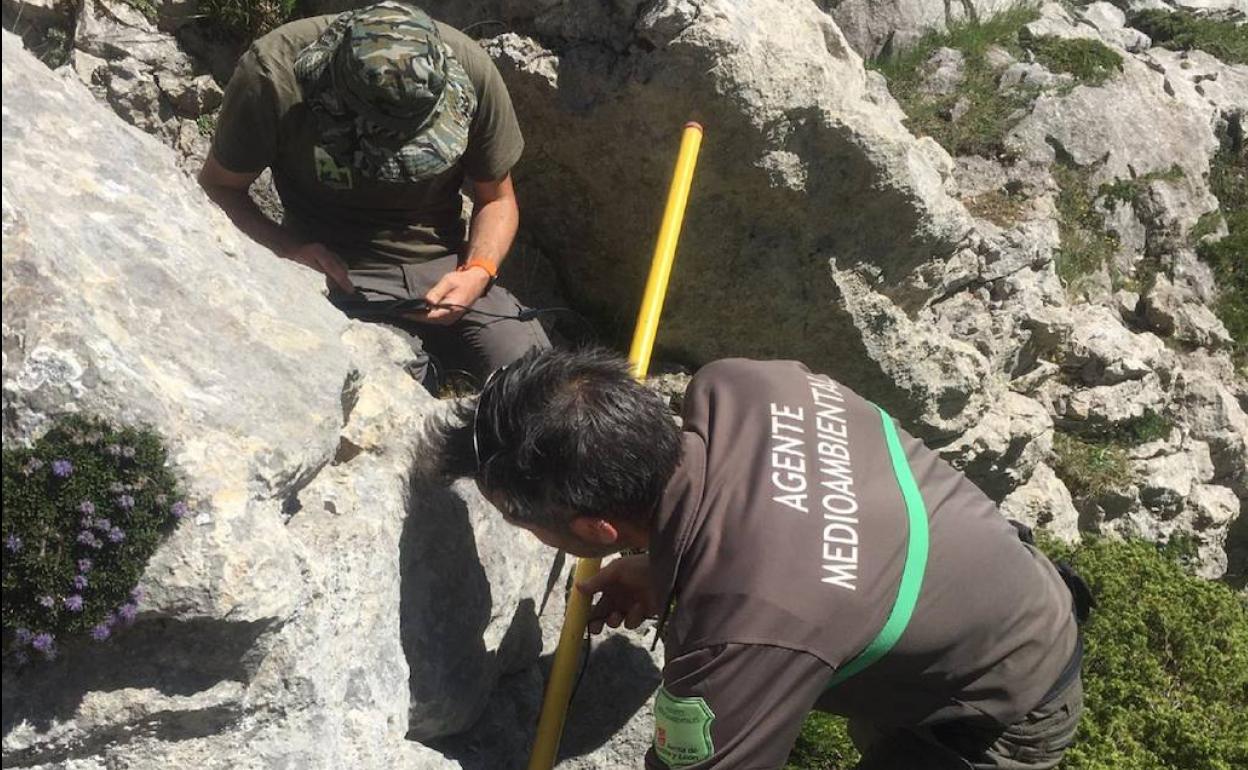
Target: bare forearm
pixel 493 229
pixel 248 217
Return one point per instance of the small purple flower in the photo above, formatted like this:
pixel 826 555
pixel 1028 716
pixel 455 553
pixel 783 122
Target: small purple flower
pixel 44 643
pixel 80 582
pixel 22 636
pixel 62 468
pixel 102 525
pixel 85 565
pixel 180 510
pixel 47 601
pixel 73 603
pixel 125 502
pixel 137 594
pixel 86 508
pixel 116 535
pixel 12 543
pixel 86 538
pixel 126 613
pixel 101 632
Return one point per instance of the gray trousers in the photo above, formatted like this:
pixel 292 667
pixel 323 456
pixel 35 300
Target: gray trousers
pixel 1035 742
pixel 476 344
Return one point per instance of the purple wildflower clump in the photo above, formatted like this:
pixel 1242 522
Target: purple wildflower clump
pixel 102 525
pixel 116 535
pixel 86 508
pixel 12 543
pixel 180 510
pixel 137 594
pixel 85 565
pixel 88 538
pixel 62 468
pixel 22 636
pixel 127 612
pixel 80 582
pixel 101 631
pixel 73 603
pixel 125 503
pixel 44 643
pixel 47 601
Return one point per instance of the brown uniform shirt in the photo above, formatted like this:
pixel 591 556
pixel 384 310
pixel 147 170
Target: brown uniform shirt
pixel 781 540
pixel 265 123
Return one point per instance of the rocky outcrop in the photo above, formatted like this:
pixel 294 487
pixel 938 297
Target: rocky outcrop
pixel 324 606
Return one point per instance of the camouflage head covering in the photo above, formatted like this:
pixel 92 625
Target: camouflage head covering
pixel 389 97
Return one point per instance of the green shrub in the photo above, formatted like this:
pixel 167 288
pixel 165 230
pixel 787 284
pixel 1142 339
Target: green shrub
pixel 1165 669
pixel 1090 61
pixel 1184 31
pixel 84 510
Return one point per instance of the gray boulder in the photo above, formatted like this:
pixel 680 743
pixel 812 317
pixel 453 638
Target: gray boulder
pixel 877 26
pixel 1044 503
pixel 323 593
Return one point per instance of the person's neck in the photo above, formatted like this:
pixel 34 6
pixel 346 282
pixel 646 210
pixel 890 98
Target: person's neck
pixel 636 536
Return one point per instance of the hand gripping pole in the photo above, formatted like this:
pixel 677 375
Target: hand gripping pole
pixel 559 686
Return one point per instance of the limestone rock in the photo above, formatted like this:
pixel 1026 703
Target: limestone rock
pixel 113 29
pixel 1111 23
pixel 1108 406
pixel 1102 351
pixel 191 96
pixel 1001 451
pixel 290 622
pixel 1167 482
pixel 943 72
pixel 1173 312
pixel 1044 503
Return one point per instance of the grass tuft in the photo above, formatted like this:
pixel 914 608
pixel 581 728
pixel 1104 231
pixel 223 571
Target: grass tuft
pixel 1091 62
pixel 1185 31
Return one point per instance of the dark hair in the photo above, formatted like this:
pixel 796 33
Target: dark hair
pixel 565 429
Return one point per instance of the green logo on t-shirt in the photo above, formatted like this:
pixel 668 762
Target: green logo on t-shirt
pixel 682 729
pixel 329 172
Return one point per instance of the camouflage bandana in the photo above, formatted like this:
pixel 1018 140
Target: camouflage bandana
pixel 389 97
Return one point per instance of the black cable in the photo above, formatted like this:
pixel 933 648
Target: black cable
pixel 589 648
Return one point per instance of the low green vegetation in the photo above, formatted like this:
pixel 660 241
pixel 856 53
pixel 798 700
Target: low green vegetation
pixel 1184 31
pixel 1228 257
pixel 84 510
pixel 976 116
pixel 1085 247
pixel 1129 191
pixel 1090 468
pixel 984 115
pixel 1165 669
pixel 248 19
pixel 1091 62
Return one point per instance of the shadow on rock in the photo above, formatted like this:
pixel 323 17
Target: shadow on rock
pixel 618 682
pixel 172 657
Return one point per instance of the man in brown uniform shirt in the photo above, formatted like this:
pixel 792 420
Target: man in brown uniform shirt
pixel 804 553
pixel 371 120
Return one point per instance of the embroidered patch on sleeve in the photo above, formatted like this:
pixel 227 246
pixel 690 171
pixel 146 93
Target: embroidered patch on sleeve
pixel 682 729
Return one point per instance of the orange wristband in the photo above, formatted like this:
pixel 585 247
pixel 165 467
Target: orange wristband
pixel 488 267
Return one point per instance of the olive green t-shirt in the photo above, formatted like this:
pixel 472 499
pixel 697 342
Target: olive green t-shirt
pixel 264 123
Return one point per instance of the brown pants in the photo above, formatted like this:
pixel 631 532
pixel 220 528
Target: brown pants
pixel 476 344
pixel 1035 742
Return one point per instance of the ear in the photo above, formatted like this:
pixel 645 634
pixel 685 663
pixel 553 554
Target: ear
pixel 594 530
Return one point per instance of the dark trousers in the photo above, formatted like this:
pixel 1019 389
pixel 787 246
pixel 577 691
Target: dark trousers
pixel 1035 742
pixel 476 344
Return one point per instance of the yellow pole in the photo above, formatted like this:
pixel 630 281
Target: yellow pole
pixel 576 617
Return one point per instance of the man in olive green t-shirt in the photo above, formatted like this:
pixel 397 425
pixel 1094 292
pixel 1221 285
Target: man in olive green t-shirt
pixel 370 121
